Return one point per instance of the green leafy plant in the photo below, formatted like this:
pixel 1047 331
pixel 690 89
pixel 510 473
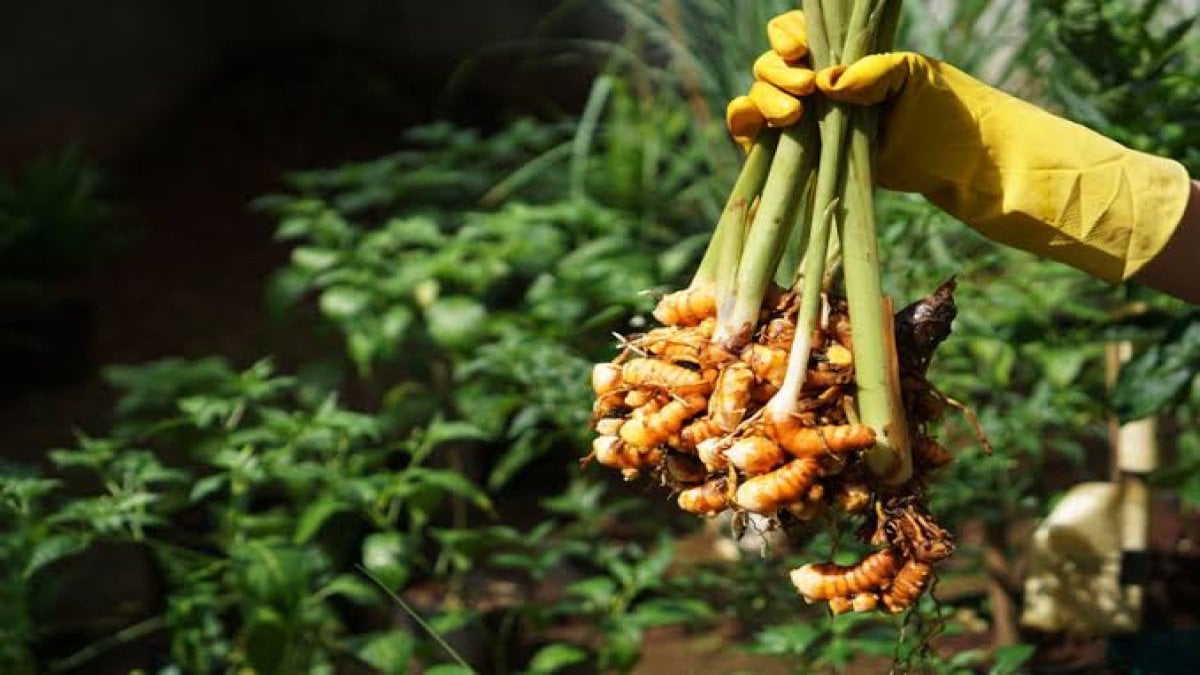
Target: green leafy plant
pixel 471 281
pixel 54 217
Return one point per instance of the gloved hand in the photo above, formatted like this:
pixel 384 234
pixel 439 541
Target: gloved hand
pixel 1014 172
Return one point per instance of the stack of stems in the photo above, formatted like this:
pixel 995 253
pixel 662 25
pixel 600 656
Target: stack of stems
pixel 829 172
pixel 773 226
pixel 843 199
pixel 725 246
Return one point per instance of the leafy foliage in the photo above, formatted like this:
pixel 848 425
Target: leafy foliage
pixel 277 493
pixel 1129 69
pixel 472 281
pixel 53 217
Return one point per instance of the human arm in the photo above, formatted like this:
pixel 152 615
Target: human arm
pixel 1174 270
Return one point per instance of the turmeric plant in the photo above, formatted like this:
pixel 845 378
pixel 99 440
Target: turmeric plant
pixel 782 401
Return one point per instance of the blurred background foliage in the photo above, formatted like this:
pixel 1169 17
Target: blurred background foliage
pixel 417 501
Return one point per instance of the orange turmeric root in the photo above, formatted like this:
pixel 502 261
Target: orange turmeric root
pixel 853 497
pixel 606 377
pixel 731 396
pixel 910 581
pixel 861 602
pixel 803 441
pixel 687 307
pixel 697 432
pixel 651 430
pixel 611 452
pixel 822 581
pixel 864 602
pixel 778 333
pixel 709 498
pixel 642 372
pixel 768 492
pixel 640 397
pixel 769 364
pixel 712 453
pixel 755 455
pixel 609 426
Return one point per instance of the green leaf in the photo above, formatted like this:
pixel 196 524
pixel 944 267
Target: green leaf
pixel 386 555
pixel 450 620
pixel 450 482
pixel 54 548
pixel 551 658
pixel 343 302
pixel 622 647
pixel 442 431
pixel 293 227
pixel 207 486
pixel 315 515
pixel 390 653
pixel 1062 366
pixel 519 454
pixel 395 323
pixel 314 259
pixel 792 639
pixel 666 611
pixel 352 588
pixel 272 574
pixel 265 638
pixel 598 591
pixel 515 561
pixel 1010 658
pixel 1158 375
pixel 999 355
pixel 456 322
pixel 362 350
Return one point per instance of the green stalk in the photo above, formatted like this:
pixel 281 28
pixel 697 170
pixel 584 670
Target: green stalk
pixel 879 404
pixel 730 243
pixel 878 396
pixel 833 133
pixel 745 188
pixel 769 232
pixel 818 35
pixel 825 206
pixel 889 22
pixel 787 272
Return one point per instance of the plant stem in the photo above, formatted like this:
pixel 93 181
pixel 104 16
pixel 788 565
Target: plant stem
pixel 845 132
pixel 832 117
pixel 747 186
pixel 825 205
pixel 769 232
pixel 787 272
pixel 879 404
pixel 108 643
pixel 416 617
pixel 589 121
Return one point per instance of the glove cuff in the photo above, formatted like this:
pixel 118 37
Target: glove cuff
pixel 1162 189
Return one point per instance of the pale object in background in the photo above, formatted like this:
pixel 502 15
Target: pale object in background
pixel 1073 583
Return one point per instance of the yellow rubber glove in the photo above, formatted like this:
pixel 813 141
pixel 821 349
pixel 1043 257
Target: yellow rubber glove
pixel 1014 172
pixel 780 77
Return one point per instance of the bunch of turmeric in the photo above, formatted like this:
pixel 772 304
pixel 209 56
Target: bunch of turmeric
pixel 690 412
pixel 780 382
